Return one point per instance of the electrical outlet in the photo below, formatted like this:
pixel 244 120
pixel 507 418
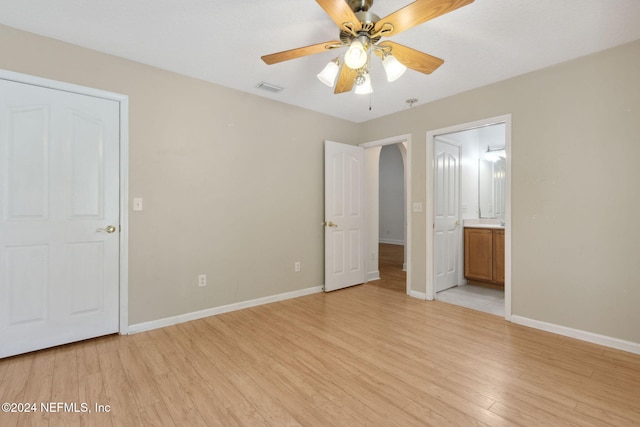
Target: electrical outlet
pixel 297 266
pixel 202 280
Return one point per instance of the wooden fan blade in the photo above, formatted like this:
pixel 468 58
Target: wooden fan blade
pixel 274 58
pixel 412 58
pixel 346 79
pixel 418 12
pixel 340 12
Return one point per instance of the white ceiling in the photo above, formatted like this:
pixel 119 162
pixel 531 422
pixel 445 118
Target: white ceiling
pixel 221 41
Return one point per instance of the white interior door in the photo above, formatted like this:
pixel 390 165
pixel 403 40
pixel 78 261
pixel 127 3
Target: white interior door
pixel 344 215
pixel 447 217
pixel 59 217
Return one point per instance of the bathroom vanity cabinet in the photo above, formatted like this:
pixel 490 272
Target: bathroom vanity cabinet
pixel 484 255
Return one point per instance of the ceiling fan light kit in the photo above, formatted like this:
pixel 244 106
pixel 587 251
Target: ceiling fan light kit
pixel 363 84
pixel 360 32
pixel 356 56
pixel 330 72
pixel 393 68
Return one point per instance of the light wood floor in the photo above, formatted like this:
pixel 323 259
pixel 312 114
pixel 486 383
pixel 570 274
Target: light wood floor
pixel 390 260
pixel 366 355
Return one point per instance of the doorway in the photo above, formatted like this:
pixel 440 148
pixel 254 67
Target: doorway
pixel 393 252
pixel 391 219
pixel 473 142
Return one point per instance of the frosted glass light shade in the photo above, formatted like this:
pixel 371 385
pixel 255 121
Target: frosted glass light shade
pixel 365 88
pixel 329 73
pixel 356 56
pixel 494 155
pixel 393 68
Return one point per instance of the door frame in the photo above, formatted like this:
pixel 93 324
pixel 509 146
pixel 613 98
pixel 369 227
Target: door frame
pixel 123 101
pixel 400 139
pixel 430 168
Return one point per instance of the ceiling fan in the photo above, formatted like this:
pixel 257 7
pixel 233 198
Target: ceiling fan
pixel 361 31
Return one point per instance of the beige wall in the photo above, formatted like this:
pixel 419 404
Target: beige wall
pixel 575 186
pixel 232 183
pixel 222 196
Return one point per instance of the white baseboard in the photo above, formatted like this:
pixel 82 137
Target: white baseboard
pixel 181 318
pixel 392 242
pixel 373 275
pixel 419 295
pixel 604 340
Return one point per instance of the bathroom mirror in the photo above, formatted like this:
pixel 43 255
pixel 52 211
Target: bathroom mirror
pixel 491 177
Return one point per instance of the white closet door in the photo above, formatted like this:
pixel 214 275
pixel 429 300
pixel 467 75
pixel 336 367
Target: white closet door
pixel 59 217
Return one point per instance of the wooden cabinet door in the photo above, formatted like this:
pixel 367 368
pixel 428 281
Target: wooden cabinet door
pixel 478 254
pixel 498 256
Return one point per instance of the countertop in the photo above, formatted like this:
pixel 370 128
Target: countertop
pixel 483 223
pixel 498 226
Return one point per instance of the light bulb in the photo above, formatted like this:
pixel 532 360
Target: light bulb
pixel 356 56
pixel 494 155
pixel 365 87
pixel 329 73
pixel 393 68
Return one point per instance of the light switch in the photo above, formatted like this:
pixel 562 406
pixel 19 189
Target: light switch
pixel 137 204
pixel 417 206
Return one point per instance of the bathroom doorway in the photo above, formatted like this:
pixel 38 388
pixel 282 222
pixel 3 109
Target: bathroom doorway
pixel 464 204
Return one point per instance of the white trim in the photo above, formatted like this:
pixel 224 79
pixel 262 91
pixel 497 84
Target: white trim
pixel 419 295
pixel 373 275
pixel 406 138
pixel 387 141
pixel 123 100
pixel 604 340
pixel 58 85
pixel 124 215
pixel 187 317
pixel 431 135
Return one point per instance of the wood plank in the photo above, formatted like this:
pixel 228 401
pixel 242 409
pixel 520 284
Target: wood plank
pixel 180 405
pixel 92 391
pixel 14 384
pixel 124 410
pixel 38 387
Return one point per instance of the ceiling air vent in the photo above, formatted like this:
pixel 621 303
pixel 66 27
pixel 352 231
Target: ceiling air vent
pixel 269 87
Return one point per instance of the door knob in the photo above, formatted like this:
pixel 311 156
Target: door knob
pixel 330 224
pixel 109 229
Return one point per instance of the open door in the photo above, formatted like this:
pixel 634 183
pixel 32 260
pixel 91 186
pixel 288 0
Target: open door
pixel 344 201
pixel 447 214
